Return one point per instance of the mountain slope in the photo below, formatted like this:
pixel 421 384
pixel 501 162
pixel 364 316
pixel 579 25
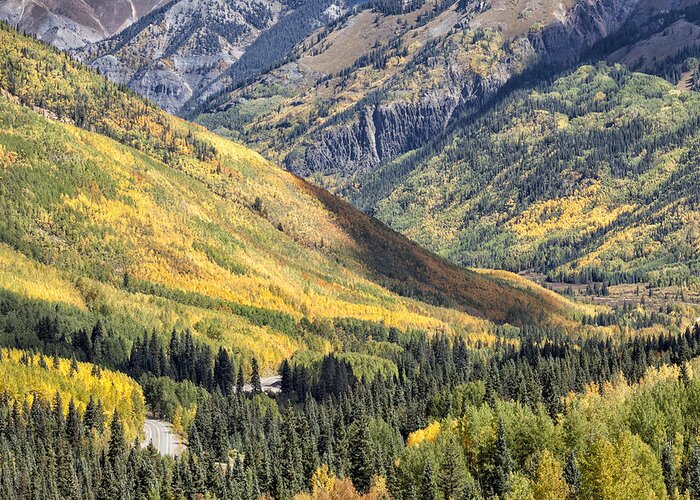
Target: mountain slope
pixel 156 223
pixel 70 24
pixel 591 177
pixel 417 132
pixel 387 80
pixel 187 49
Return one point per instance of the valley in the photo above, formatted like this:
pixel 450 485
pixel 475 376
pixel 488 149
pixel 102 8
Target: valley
pixel 319 250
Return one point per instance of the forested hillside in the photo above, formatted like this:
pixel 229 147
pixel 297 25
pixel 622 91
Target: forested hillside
pixel 80 390
pixel 443 130
pixel 589 178
pixel 135 242
pixel 156 224
pixel 390 76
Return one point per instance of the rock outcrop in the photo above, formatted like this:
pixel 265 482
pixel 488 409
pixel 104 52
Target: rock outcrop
pixel 379 132
pixel 71 24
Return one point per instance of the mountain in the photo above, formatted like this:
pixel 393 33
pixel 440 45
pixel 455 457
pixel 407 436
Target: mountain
pixel 186 268
pixel 417 133
pixel 116 211
pixel 589 178
pixel 74 23
pixel 189 49
pixel 390 77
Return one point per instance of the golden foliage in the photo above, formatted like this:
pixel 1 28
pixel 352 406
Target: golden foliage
pixel 549 481
pixel 428 434
pixel 35 281
pixel 343 489
pixel 23 377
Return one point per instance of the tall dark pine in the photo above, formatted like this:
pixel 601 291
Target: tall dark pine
pixel 502 463
pixel 286 374
pixel 74 427
pixel 94 418
pixel 428 489
pixel 452 472
pixel 255 377
pixel 98 336
pixel 572 475
pixel 668 464
pixel 117 441
pixel 693 472
pixel 223 371
pixel 361 454
pixel 240 380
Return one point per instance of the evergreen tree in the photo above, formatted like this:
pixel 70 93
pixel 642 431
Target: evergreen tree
pixel 67 480
pixel 693 472
pixel 240 380
pixel 502 463
pixel 572 475
pixel 428 486
pixel 255 377
pixel 360 454
pixel 117 441
pixel 74 429
pixel 97 340
pixel 286 375
pixel 668 464
pixel 453 473
pixel 223 371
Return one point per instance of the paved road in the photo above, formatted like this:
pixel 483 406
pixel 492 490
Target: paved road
pixel 161 434
pixel 269 384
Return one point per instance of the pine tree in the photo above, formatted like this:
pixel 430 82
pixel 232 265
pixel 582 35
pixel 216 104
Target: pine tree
pixel 97 339
pixel 291 458
pixel 502 463
pixel 73 367
pixel 286 375
pixel 668 465
pixel 693 472
pixel 428 487
pixel 572 475
pixel 240 381
pixel 59 416
pixel 223 371
pixel 117 441
pixel 67 480
pixel 94 418
pixel 360 451
pixel 74 429
pixel 255 377
pixel 452 474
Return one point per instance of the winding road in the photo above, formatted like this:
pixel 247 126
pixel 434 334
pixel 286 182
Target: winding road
pixel 167 442
pixel 164 439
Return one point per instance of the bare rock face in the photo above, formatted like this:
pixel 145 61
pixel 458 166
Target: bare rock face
pixel 71 24
pixel 381 131
pixel 588 22
pixel 182 47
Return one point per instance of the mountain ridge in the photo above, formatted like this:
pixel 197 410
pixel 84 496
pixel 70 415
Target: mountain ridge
pixel 203 233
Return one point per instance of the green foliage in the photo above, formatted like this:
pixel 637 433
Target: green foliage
pixel 166 397
pixel 572 178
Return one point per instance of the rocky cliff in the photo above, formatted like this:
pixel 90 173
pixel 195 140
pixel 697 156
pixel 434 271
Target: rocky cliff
pixel 375 133
pixel 70 24
pixel 180 48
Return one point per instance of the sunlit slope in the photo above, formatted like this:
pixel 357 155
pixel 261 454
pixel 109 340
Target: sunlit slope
pixel 171 225
pixel 25 376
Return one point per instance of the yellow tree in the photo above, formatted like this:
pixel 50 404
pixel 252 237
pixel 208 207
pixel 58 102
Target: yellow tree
pixel 549 479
